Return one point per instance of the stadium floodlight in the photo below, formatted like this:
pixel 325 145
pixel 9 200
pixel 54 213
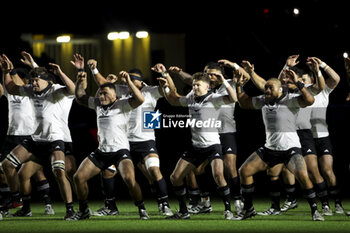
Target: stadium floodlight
pixel 141 34
pixel 345 55
pixel 124 35
pixel 63 39
pixel 296 11
pixel 113 36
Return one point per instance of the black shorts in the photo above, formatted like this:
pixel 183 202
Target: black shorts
pixel 228 143
pixel 10 143
pixel 323 146
pixel 42 149
pixel 273 157
pixel 103 160
pixel 197 156
pixel 139 150
pixel 307 142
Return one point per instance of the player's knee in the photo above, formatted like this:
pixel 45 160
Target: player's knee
pixel 11 162
pixel 129 180
pixel 58 168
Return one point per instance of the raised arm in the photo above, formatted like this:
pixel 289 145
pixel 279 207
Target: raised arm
pixel 333 78
pixel 305 99
pixel 137 97
pixel 70 86
pixel 15 77
pixel 236 69
pixel 80 86
pixel 244 101
pixel 6 66
pixel 232 96
pixel 258 81
pixel 160 69
pixel 178 72
pixel 99 78
pixel 320 83
pixel 171 95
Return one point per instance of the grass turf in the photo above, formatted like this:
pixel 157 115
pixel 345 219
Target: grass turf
pixel 297 220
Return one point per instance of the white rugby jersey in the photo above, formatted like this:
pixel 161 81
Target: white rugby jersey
pixel 122 90
pixel 304 115
pixel 136 132
pixel 318 113
pixel 227 111
pixel 206 110
pixel 51 109
pixel 20 115
pixel 280 121
pixel 112 124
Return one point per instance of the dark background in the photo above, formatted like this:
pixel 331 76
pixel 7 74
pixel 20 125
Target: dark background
pixel 263 32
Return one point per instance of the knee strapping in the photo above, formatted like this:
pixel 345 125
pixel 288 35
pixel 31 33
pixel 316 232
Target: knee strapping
pixel 13 160
pixel 152 162
pixel 58 164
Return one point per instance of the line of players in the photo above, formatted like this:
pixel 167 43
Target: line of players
pixel 119 118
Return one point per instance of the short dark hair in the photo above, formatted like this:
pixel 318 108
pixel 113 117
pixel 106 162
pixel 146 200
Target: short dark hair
pixel 109 85
pixel 40 72
pixel 201 76
pixel 136 71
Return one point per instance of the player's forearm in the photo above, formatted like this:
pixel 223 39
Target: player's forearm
pixel 258 81
pixel 333 77
pixel 70 86
pixel 137 95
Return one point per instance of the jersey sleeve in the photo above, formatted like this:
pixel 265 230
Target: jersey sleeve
pixel 93 102
pixel 184 101
pixel 258 101
pixel 217 100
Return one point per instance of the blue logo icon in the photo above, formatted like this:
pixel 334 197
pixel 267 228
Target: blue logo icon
pixel 151 119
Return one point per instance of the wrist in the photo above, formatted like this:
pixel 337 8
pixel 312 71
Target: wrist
pixel 226 83
pixel 300 85
pixel 35 65
pixel 13 72
pixel 94 71
pixel 164 74
pixel 324 66
pixel 235 66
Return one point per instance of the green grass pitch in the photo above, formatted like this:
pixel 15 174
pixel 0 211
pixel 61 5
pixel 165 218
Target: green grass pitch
pixel 297 220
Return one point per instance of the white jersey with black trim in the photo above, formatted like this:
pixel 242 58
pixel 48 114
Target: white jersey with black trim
pixel 20 115
pixel 319 112
pixel 112 124
pixel 136 132
pixel 280 121
pixel 203 118
pixel 51 109
pixel 227 111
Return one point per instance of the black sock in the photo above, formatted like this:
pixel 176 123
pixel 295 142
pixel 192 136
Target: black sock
pixel 334 192
pixel 226 196
pixel 140 205
pixel 108 187
pixel 321 191
pixel 194 196
pixel 43 187
pixel 5 192
pixel 275 193
pixel 290 192
pixel 162 192
pixel 310 196
pixel 235 188
pixel 247 193
pixel 26 202
pixel 83 205
pixel 180 193
pixel 110 203
pixel 15 196
pixel 69 206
